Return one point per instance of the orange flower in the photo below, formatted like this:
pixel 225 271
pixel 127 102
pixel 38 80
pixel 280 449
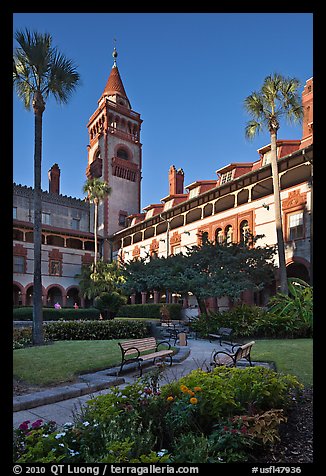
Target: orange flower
pixel 197 389
pixel 190 392
pixel 183 388
pixel 193 401
pixel 170 399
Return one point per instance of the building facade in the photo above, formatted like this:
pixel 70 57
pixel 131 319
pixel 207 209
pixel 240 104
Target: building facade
pixel 67 243
pixel 239 200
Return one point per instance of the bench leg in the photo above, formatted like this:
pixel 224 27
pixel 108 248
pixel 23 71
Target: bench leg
pixel 140 368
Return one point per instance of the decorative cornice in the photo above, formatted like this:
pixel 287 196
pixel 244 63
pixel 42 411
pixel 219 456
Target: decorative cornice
pixel 295 199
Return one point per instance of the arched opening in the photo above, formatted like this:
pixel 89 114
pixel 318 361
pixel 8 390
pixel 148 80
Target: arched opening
pixel 18 235
pixel 74 243
pixel 17 295
pixel 29 296
pixel 55 240
pixel 149 232
pixel 224 203
pixel 89 245
pixel 244 232
pixel 72 297
pixel 208 210
pixel 137 237
pixel 219 236
pixel 176 222
pixel 298 270
pixel 228 234
pixel 29 237
pixel 54 296
pixel 193 215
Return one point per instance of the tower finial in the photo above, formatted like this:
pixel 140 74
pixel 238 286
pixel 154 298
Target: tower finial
pixel 114 54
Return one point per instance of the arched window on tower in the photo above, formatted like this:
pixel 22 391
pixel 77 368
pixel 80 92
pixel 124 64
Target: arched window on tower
pixel 122 153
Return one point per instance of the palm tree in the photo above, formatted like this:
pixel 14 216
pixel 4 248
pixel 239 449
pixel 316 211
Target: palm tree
pixel 278 97
pixel 96 191
pixel 39 71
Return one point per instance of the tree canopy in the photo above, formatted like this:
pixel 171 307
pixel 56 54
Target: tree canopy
pixel 209 270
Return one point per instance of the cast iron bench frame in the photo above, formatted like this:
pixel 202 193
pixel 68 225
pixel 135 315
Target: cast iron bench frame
pixel 230 359
pixel 221 333
pixel 136 346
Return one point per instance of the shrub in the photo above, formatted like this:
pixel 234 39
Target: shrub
pixel 109 304
pixel 218 416
pixel 51 314
pixel 150 311
pixel 96 330
pixel 22 337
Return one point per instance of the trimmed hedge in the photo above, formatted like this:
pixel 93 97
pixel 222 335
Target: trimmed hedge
pixel 149 311
pixel 97 330
pixel 84 330
pixel 51 314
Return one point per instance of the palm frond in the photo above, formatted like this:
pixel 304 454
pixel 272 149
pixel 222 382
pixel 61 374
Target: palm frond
pixel 63 77
pixel 252 129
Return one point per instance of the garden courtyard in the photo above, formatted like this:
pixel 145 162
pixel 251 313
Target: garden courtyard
pixel 60 362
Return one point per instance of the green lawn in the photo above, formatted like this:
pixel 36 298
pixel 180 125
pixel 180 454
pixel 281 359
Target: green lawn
pixel 62 361
pixel 291 356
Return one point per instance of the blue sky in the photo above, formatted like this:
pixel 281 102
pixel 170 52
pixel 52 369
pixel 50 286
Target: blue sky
pixel 187 74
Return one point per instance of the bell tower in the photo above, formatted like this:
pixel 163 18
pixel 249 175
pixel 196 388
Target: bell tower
pixel 115 154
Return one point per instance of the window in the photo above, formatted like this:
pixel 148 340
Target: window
pixel 75 223
pixel 122 154
pixel 14 212
pixel 219 238
pixel 19 264
pixel 194 192
pixel 55 267
pixel 296 226
pixel 226 177
pixel 122 219
pixel 204 237
pixel 168 205
pixel 229 234
pixel 46 218
pixel 244 232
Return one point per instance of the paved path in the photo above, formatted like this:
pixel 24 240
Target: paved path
pixel 197 354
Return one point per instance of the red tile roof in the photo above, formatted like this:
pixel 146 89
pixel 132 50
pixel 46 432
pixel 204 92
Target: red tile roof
pixel 114 84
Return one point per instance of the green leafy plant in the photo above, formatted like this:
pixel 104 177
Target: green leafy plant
pixel 109 303
pixel 297 306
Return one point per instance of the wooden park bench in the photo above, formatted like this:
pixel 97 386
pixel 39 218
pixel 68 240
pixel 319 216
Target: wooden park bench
pixel 134 351
pixel 230 359
pixel 222 333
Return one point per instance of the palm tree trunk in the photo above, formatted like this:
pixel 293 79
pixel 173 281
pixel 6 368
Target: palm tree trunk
pixel 278 217
pixel 38 338
pixel 95 232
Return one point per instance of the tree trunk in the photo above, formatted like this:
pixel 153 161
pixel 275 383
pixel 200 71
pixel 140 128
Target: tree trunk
pixel 95 233
pixel 278 217
pixel 38 337
pixel 202 305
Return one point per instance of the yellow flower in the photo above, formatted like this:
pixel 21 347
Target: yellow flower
pixel 193 401
pixel 170 399
pixel 198 389
pixel 183 388
pixel 190 392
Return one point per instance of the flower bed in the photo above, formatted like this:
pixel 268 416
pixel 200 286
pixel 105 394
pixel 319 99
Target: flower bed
pixel 227 415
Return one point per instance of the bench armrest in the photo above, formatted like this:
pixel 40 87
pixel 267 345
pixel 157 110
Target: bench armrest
pixel 163 342
pixel 127 350
pixel 222 352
